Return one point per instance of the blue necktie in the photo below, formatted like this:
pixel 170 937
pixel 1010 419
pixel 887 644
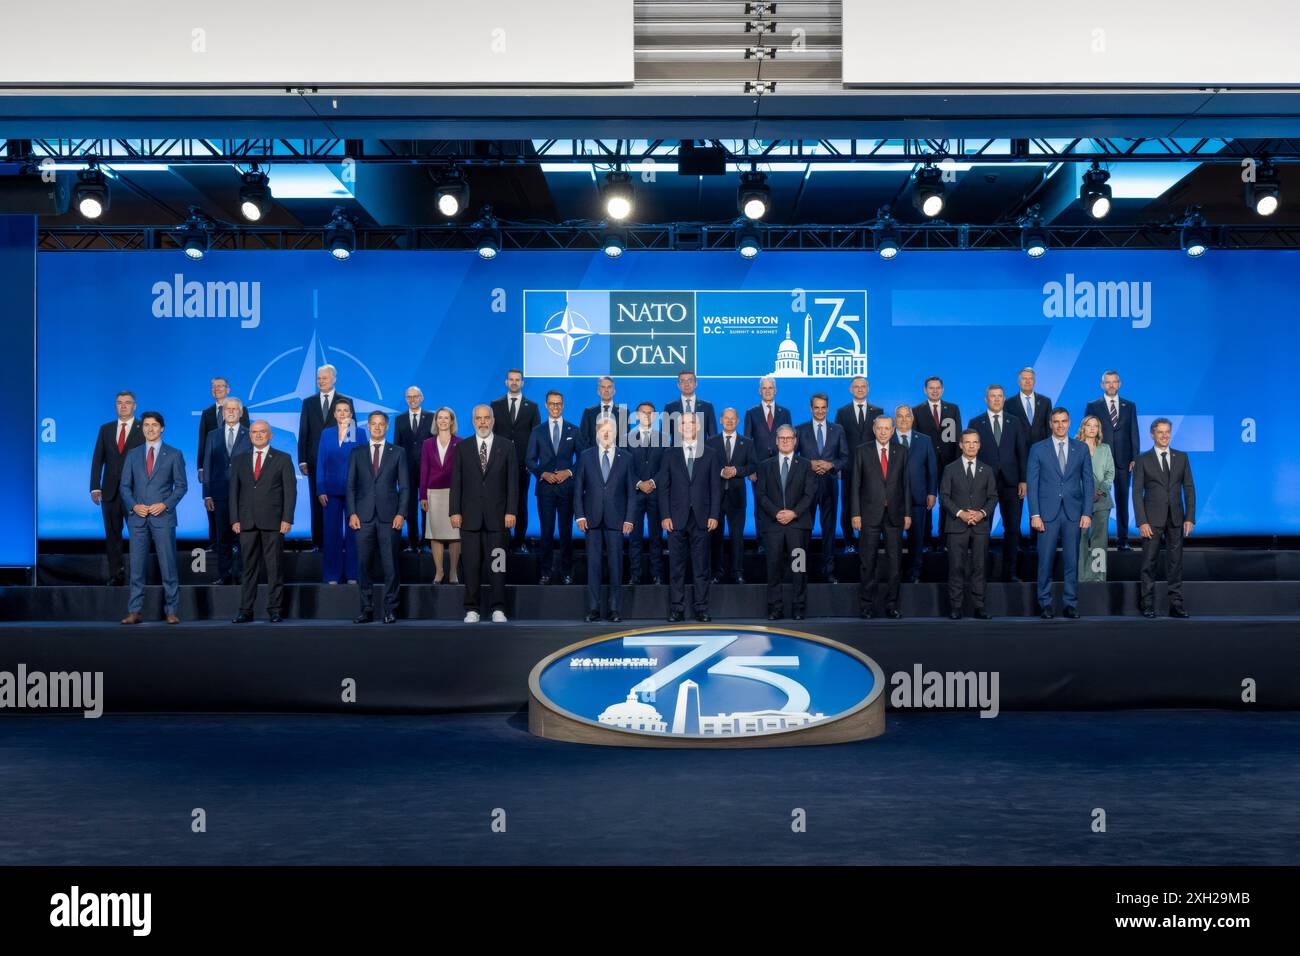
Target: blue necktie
pixel 604 466
pixel 785 471
pixel 555 436
pixel 821 439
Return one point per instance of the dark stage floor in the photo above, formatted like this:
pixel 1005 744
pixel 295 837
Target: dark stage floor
pixel 1178 787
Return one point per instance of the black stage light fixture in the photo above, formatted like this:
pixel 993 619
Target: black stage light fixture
pixel 254 195
pixel 1195 236
pixel 927 192
pixel 1264 195
pixel 886 235
pixel 194 235
pixel 1033 240
pixel 340 236
pixel 616 195
pixel 614 243
pixel 487 236
pixel 452 192
pixel 754 197
pixel 748 243
pixel 91 193
pixel 1094 192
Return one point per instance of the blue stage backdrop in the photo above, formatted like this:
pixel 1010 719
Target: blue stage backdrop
pixel 18 389
pixel 1206 343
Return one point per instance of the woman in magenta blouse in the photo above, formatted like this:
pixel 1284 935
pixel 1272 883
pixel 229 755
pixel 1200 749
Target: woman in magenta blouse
pixel 436 456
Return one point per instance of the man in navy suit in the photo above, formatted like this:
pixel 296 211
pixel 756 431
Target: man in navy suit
pixel 410 429
pixel 153 484
pixel 690 499
pixel 1004 446
pixel 736 454
pixel 761 423
pixel 823 444
pixel 787 493
pixel 378 498
pixel 552 456
pixel 1119 430
pixel 857 419
pixel 686 402
pixel 1034 411
pixel 605 408
pixel 647 545
pixel 940 421
pixel 220 448
pixel 604 501
pixel 209 420
pixel 316 416
pixel 923 477
pixel 1059 476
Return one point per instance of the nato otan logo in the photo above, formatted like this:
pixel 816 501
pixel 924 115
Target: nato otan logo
pixel 208 300
pixel 705 685
pixel 1084 299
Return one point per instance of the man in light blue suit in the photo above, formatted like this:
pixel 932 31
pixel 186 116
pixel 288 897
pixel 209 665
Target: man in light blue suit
pixel 153 483
pixel 1060 482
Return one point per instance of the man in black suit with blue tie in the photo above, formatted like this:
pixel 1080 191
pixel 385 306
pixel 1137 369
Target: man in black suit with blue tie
pixel 823 444
pixel 1035 412
pixel 967 495
pixel 736 454
pixel 604 501
pixel 644 444
pixel 220 448
pixel 685 403
pixel 923 476
pixel 605 408
pixel 1004 447
pixel 1119 430
pixel 787 494
pixel 690 499
pixel 857 418
pixel 410 429
pixel 378 497
pixel 552 457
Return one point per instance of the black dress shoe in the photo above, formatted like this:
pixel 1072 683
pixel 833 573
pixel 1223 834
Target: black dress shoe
pixel 719 579
pixel 1179 611
pixel 567 579
pixel 739 578
pixel 850 549
pixel 241 618
pixel 954 615
pixel 775 615
pixel 275 617
pixel 675 616
pixel 1123 546
pixel 593 617
pixel 1046 614
pixel 656 580
pixel 390 618
pixel 365 617
pixel 702 617
pixel 797 615
pixel 982 615
pixel 544 579
pixel 614 617
pixel 1149 613
pixel 1072 613
pixel 894 613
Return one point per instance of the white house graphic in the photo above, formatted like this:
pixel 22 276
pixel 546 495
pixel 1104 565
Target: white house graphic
pixel 631 714
pixel 794 362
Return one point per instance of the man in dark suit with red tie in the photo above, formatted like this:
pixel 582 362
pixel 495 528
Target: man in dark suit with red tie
pixel 882 505
pixel 410 429
pixel 263 494
pixel 514 417
pixel 378 499
pixel 115 439
pixel 317 414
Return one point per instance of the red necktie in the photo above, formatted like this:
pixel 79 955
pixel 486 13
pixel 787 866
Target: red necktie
pixel 148 462
pixel 884 463
pixel 374 462
pixel 935 410
pixel 121 438
pixel 257 466
pixel 769 418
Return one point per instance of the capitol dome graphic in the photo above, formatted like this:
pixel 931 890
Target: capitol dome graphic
pixel 631 714
pixel 795 361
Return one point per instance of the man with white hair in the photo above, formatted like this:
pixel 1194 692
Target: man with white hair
pixel 317 415
pixel 221 446
pixel 484 493
pixel 410 429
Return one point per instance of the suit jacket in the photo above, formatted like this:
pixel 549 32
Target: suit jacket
pixel 836 449
pixel 587 426
pixel 646 459
pixel 945 451
pixel 1009 460
pixel 1123 441
pixel 957 493
pixel 846 417
pixel 483 499
pixel 756 428
pixel 410 440
pixel 742 457
pixel 209 420
pixel 519 430
pixel 333 461
pixel 106 463
pixel 543 456
pixel 605 504
pixel 167 483
pixel 705 419
pixel 1041 427
pixel 380 497
pixel 216 466
pixel 698 492
pixel 922 467
pixel 1157 499
pixel 263 503
pixel 311 423
pixel 435 473
pixel 875 498
pixel 1051 493
pixel 798 495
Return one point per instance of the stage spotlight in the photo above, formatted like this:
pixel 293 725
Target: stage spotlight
pixel 617 195
pixel 754 196
pixel 615 243
pixel 1094 192
pixel 748 243
pixel 489 245
pixel 1033 240
pixel 1195 237
pixel 91 193
pixel 193 234
pixel 340 236
pixel 254 195
pixel 1265 193
pixel 452 192
pixel 927 192
pixel 886 237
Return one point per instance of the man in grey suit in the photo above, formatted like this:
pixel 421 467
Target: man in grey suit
pixel 968 493
pixel 1164 504
pixel 153 484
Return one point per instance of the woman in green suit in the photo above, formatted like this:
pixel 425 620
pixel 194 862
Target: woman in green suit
pixel 1092 543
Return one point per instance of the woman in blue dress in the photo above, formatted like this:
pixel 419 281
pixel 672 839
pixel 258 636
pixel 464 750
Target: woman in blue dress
pixel 339 557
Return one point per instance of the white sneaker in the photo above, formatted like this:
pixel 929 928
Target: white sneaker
pixel 471 617
pixel 498 617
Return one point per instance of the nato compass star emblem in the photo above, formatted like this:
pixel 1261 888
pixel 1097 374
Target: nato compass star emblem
pixel 567 334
